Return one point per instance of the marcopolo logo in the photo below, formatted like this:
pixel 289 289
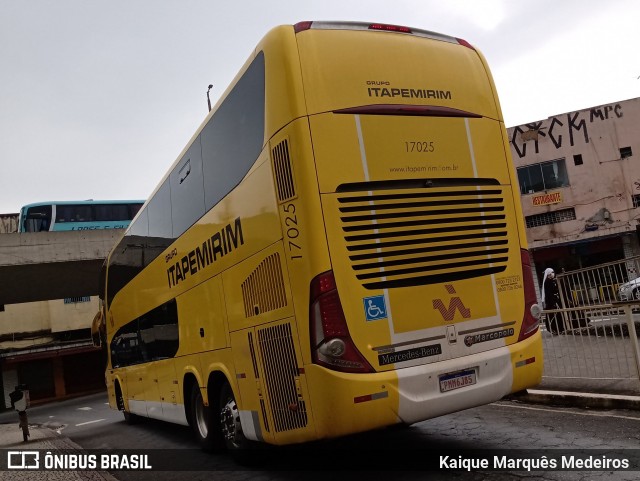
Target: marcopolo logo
pixel 488 336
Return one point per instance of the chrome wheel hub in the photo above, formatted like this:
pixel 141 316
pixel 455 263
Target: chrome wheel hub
pixel 230 421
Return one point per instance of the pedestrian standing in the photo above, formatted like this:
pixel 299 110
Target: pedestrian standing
pixel 551 300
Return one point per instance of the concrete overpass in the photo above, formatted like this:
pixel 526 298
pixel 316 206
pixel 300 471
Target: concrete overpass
pixel 43 266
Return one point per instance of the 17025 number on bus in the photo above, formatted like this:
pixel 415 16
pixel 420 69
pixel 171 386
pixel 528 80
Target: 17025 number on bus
pixel 423 147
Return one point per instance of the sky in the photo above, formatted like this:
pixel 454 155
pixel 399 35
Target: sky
pixel 99 97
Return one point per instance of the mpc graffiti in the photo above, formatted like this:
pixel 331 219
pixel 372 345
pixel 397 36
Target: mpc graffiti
pixel 572 126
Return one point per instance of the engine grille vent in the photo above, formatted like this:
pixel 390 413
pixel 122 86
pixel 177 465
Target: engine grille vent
pixel 283 171
pixel 281 368
pixel 415 236
pixel 263 290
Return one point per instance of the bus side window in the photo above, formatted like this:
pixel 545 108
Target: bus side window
pixel 73 213
pixel 125 346
pixel 111 212
pixel 159 332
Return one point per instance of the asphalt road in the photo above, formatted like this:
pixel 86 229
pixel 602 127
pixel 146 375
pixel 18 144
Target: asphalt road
pixel 505 425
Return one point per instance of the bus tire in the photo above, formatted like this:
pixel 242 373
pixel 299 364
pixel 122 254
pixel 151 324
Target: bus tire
pixel 230 426
pixel 129 418
pixel 203 423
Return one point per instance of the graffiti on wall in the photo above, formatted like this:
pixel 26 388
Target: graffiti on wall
pixel 572 127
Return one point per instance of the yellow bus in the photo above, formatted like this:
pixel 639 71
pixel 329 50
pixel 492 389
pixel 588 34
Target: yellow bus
pixel 338 248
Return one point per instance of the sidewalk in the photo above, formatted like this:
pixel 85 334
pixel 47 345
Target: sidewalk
pixel 588 400
pixel 46 439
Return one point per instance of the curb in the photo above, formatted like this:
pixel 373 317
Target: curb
pixel 578 399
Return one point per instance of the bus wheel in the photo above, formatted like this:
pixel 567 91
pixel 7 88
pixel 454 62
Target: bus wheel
pixel 201 422
pixel 129 418
pixel 230 421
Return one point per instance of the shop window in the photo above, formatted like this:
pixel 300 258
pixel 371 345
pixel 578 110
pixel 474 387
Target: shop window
pixel 543 176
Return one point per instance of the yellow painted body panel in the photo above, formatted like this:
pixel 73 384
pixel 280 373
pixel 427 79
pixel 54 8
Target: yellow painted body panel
pixel 244 315
pixel 302 226
pixel 527 374
pixel 392 144
pixel 137 379
pixel 377 60
pixel 206 329
pixel 189 366
pixel 220 361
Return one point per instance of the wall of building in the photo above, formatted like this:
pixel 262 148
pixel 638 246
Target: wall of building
pixel 601 182
pixel 46 345
pixel 24 318
pixel 53 316
pixel 588 208
pixel 73 313
pixel 8 223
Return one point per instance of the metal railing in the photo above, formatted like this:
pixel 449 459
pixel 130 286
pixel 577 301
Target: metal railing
pixel 591 343
pixel 601 284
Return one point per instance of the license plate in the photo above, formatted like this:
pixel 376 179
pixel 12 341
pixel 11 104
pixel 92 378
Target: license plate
pixel 456 380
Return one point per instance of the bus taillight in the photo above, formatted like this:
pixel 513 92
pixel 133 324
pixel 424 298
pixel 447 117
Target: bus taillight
pixel 302 26
pixel 332 346
pixel 529 322
pixel 464 43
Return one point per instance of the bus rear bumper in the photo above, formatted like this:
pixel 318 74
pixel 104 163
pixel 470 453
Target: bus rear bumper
pixel 422 392
pixel 348 403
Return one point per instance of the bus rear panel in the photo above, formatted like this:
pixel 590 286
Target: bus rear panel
pixel 428 314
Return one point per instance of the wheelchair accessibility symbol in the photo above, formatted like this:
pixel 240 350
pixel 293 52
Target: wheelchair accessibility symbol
pixel 375 308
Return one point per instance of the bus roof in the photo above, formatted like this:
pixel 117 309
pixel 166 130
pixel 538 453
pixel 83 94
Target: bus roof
pixel 83 202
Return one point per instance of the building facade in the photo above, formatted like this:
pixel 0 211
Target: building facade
pixel 47 344
pixel 8 223
pixel 579 177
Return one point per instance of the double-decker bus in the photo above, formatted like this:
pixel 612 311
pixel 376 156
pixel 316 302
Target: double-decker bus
pixel 78 215
pixel 338 248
